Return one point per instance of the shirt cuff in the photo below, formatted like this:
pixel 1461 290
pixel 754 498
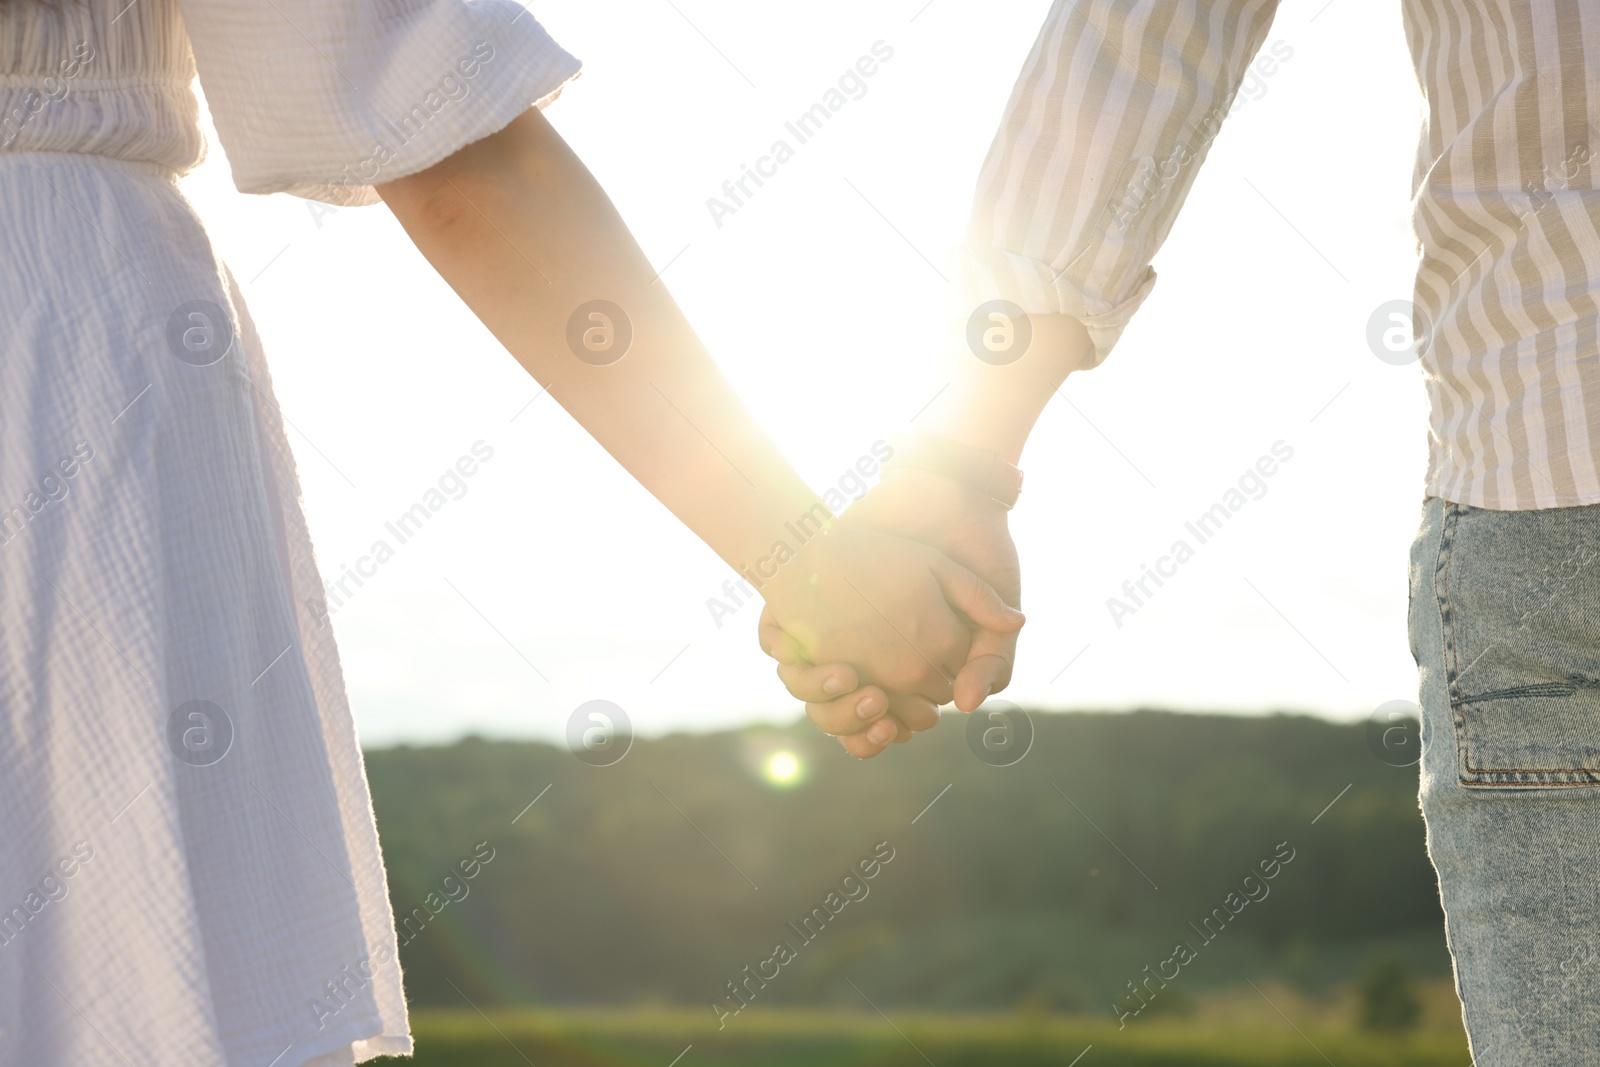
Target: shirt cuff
pixel 1040 289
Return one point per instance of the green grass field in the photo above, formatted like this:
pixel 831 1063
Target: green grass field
pixel 654 1037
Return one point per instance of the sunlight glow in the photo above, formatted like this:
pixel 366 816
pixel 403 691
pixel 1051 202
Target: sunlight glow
pixel 783 768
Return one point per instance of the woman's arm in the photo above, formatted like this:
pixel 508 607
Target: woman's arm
pixel 525 235
pixel 521 230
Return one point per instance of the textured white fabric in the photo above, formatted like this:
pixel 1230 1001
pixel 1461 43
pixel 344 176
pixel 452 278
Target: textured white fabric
pixel 1117 106
pixel 160 905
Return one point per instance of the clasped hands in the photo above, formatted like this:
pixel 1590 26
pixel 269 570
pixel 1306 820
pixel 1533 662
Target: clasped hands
pixel 909 602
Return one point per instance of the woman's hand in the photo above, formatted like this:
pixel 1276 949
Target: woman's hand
pixel 896 609
pixel 973 531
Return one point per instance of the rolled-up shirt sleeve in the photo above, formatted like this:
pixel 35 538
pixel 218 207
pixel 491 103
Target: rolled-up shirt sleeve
pixel 1110 119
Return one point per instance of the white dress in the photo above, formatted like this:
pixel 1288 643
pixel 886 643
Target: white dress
pixel 189 870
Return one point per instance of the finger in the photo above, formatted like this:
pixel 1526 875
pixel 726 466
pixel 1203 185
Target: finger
pixel 987 670
pixel 875 739
pixel 818 684
pixel 852 714
pixel 933 685
pixel 915 713
pixel 872 740
pixel 776 642
pixel 980 679
pixel 973 595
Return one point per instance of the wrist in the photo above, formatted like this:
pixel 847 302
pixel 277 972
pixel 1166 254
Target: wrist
pixel 983 419
pixel 770 559
pixel 983 473
pixel 994 407
pixel 793 582
pixel 938 499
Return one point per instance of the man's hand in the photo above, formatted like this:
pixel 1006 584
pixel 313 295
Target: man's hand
pixel 898 608
pixel 968 528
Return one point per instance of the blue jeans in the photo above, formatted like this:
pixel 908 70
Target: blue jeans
pixel 1505 628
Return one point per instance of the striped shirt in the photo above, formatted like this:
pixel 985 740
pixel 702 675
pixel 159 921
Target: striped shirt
pixel 1119 101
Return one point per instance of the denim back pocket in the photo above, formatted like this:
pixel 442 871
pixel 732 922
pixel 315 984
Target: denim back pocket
pixel 1519 598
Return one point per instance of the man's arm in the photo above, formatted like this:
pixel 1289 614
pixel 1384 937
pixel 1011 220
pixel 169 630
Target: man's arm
pixel 1111 117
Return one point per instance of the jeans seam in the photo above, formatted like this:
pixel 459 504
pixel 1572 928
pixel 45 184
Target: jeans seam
pixel 1441 589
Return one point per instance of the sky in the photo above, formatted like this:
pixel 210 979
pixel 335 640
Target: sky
pixel 554 579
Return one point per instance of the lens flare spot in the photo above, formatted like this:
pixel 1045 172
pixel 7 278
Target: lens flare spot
pixel 783 768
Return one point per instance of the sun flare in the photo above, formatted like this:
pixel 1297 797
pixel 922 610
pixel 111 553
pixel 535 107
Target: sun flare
pixel 782 768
